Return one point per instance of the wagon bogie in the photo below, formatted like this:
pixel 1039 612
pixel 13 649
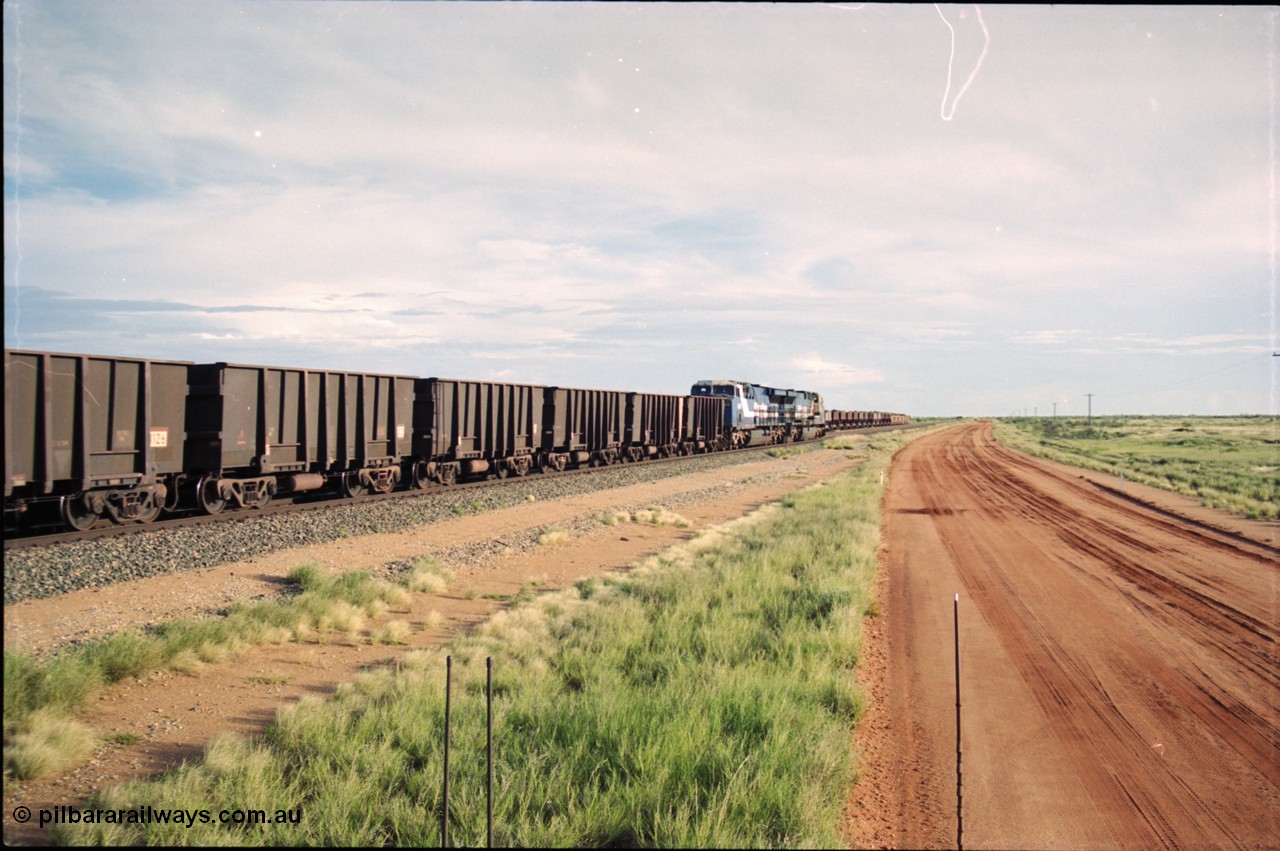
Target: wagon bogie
pixel 212 494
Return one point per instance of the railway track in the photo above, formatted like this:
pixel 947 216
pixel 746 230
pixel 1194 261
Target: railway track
pixel 309 502
pixel 324 500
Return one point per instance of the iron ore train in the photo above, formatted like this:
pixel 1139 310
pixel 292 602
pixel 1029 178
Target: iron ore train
pixel 91 438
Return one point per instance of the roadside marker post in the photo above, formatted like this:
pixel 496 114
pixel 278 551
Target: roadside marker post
pixel 448 700
pixel 959 796
pixel 444 814
pixel 488 665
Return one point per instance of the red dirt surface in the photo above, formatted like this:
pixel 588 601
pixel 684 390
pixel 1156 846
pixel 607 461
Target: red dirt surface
pixel 1120 683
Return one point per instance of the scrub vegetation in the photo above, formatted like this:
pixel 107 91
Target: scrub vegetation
pixel 1231 463
pixel 705 698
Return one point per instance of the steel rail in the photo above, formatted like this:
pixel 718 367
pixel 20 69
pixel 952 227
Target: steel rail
pixel 325 499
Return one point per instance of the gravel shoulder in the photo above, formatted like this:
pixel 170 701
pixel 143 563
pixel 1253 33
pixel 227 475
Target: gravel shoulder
pixel 492 552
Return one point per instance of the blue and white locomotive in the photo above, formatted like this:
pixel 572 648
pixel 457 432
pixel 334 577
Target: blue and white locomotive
pixel 756 414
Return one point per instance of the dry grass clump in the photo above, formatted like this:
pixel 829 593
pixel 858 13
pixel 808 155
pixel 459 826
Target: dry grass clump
pixel 553 538
pixel 393 632
pixel 428 576
pixel 47 742
pixel 660 515
pixel 656 515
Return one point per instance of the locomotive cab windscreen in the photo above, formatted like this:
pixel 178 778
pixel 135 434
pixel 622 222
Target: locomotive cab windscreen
pixel 713 388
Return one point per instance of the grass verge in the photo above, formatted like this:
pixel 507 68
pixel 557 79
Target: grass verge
pixel 1228 463
pixel 706 698
pixel 39 694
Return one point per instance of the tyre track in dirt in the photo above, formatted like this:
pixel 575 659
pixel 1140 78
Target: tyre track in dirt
pixel 1119 670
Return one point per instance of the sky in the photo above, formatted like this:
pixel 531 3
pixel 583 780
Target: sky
pixel 951 210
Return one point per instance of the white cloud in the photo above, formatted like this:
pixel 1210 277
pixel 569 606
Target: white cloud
pixel 1050 337
pixel 832 374
pixel 475 179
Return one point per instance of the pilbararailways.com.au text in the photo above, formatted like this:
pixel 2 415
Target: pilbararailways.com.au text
pixel 158 815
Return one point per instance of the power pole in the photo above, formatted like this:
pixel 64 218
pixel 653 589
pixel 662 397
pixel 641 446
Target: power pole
pixel 1090 397
pixel 1055 410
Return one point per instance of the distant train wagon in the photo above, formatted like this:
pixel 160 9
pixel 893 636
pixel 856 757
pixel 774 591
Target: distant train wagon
pixel 840 420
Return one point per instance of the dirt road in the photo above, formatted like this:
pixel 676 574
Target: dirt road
pixel 1120 678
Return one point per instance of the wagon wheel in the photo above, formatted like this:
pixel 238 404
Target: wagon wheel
pixel 207 495
pixel 421 475
pixel 264 499
pixel 76 514
pixel 351 485
pixel 149 512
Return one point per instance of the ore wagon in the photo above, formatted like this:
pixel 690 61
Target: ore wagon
pixel 92 437
pixel 582 426
pixel 470 428
pixel 253 431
